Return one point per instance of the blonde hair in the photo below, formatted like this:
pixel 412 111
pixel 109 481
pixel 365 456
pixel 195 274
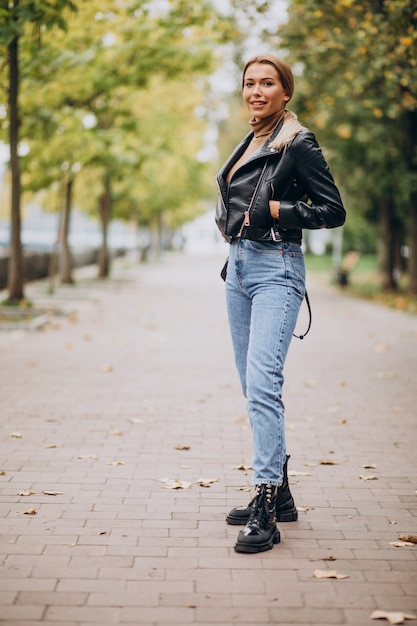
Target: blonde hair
pixel 291 126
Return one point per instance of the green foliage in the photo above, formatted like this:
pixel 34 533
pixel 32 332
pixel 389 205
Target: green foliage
pixel 356 87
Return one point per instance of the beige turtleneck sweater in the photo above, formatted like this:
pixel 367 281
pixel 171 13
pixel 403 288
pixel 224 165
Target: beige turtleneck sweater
pixel 262 129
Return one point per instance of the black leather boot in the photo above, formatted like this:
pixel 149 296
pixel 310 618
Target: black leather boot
pixel 260 532
pixel 285 507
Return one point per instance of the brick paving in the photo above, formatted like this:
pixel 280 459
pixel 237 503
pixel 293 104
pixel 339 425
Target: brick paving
pixel 104 397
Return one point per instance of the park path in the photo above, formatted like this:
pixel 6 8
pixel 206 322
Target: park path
pixel 136 385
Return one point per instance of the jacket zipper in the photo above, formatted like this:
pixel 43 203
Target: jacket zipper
pixel 246 215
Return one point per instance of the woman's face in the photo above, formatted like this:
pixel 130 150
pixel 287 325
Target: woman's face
pixel 263 92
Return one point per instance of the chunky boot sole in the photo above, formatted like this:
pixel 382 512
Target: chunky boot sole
pixel 240 516
pixel 252 545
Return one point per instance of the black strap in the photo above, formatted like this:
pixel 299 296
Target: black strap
pixel 309 320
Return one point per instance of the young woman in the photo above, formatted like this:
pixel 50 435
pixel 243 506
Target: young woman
pixel 275 183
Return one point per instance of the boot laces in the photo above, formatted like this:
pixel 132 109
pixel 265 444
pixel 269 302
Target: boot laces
pixel 262 505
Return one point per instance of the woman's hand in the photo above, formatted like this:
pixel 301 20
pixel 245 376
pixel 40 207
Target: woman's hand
pixel 274 207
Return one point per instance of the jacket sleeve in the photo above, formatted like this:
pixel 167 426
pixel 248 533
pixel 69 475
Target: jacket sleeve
pixel 325 207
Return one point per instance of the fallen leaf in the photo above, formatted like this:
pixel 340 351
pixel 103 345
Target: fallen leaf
pixel 302 509
pixel 242 467
pixel 174 483
pixel 243 488
pixel 16 435
pixel 115 432
pixel 52 493
pixel 241 420
pixel 368 477
pixel 103 532
pixel 408 538
pixel 402 544
pixel 310 383
pixel 295 473
pixel 320 573
pixel 26 492
pixel 190 606
pixel 3 473
pixel 370 466
pixel 382 347
pixel 94 457
pixel 182 447
pixel 115 463
pixel 50 446
pixel 341 422
pixel 30 512
pixel 387 375
pixel 392 521
pixel 391 617
pixel 327 462
pixel 106 368
pixel 206 482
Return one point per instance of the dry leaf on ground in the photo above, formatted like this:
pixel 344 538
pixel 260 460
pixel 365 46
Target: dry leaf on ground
pixel 393 617
pixel 368 477
pixel 370 466
pixel 3 473
pixel 327 462
pixel 50 446
pixel 180 446
pixel 295 473
pixel 116 463
pixel 243 488
pixel 408 538
pixel 94 457
pixel 47 492
pixel 402 544
pixel 30 512
pixel 174 483
pixel 328 573
pixel 26 492
pixel 115 432
pixel 242 467
pixel 106 368
pixel 302 509
pixel 206 482
pixel 16 435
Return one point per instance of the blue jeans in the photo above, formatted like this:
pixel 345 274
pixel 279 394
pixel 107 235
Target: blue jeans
pixel 265 287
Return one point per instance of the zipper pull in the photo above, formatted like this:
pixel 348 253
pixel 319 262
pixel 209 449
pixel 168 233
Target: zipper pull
pixel 246 221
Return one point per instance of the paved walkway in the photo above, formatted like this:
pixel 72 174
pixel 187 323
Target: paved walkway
pixel 94 411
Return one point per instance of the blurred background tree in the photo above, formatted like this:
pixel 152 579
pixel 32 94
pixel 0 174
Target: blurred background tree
pixel 357 88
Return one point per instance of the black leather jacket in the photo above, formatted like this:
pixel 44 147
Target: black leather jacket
pixel 298 176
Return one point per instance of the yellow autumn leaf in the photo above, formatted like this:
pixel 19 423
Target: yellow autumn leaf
pixel 174 483
pixel 319 573
pixel 408 538
pixel 206 482
pixel 392 617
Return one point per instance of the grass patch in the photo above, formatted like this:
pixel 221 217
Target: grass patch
pixel 364 282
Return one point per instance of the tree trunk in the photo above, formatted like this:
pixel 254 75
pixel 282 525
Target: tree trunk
pixel 105 214
pixel 66 261
pixel 410 145
pixel 16 267
pixel 412 267
pixel 387 240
